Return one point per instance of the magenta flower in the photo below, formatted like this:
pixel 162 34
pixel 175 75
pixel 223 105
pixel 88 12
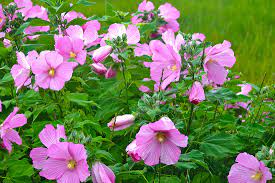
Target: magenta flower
pixel 169 39
pixel 166 65
pixel 121 122
pixel 159 142
pixel 102 174
pixel 248 169
pixel 48 136
pixel 23 6
pixel 99 68
pixel 198 36
pixel 111 73
pixel 196 94
pixel 2 17
pixel 67 162
pixel 245 89
pixel 88 36
pixel 169 14
pixel 21 71
pixel 71 15
pixel 217 58
pixel 7 132
pixel 51 71
pixel 142 49
pixel 71 48
pixel 131 150
pixel 102 53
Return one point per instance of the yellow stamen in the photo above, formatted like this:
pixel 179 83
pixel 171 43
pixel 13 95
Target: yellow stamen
pixel 51 72
pixel 71 164
pixel 174 68
pixel 1 19
pixel 161 137
pixel 257 176
pixel 72 55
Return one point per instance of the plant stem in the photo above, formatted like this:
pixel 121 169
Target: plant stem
pixel 190 118
pixel 216 110
pixel 126 85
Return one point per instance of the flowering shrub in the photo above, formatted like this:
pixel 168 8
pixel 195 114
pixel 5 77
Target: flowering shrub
pixel 125 98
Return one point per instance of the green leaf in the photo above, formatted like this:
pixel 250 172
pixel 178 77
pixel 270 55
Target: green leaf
pixel 80 99
pixel 64 7
pixel 170 179
pixel 77 21
pixel 21 29
pixel 221 145
pixel 205 178
pixel 39 22
pixel 19 168
pixel 85 2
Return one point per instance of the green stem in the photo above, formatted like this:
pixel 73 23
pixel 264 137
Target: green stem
pixel 126 85
pixel 190 118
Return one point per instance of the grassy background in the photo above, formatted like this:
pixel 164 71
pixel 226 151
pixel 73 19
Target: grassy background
pixel 247 24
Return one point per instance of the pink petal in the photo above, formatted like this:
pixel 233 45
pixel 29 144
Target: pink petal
pixel 77 151
pixel 49 135
pixel 38 156
pixel 133 35
pixel 177 138
pixel 83 170
pixel 81 57
pixel 13 136
pixel 216 72
pixel 56 83
pixel 75 32
pixel 69 177
pixel 240 174
pixel 64 45
pixel 170 153
pixel 164 124
pixel 116 30
pixel 248 161
pixel 60 151
pixel 53 59
pixel 18 120
pixel 53 169
pixel 43 80
pixel 90 35
pixel 64 71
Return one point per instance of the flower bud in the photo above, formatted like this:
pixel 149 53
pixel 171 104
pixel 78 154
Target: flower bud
pixel 102 174
pixel 121 122
pixel 110 73
pixel 101 53
pixel 99 68
pixel 196 94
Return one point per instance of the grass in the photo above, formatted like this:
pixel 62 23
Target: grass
pixel 247 24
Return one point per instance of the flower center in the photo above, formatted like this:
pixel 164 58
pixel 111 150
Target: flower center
pixel 257 176
pixel 174 68
pixel 161 137
pixel 71 164
pixel 72 54
pixel 1 20
pixel 51 72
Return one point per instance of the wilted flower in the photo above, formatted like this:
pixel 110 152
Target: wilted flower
pixel 99 68
pixel 102 174
pixel 7 132
pixel 196 94
pixel 21 71
pixel 217 58
pixel 51 71
pixel 248 169
pixel 121 122
pixel 159 142
pixel 131 150
pixel 71 48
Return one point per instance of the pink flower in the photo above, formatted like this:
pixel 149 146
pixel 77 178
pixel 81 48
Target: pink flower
pixel 217 58
pixel 7 43
pixel 198 36
pixel 142 49
pixel 71 48
pixel 131 150
pixel 176 42
pixel 89 35
pixel 102 53
pixel 48 136
pixel 245 89
pixel 121 122
pixel 2 17
pixel 111 73
pixel 99 68
pixel 196 94
pixel 21 71
pixel 166 65
pixel 0 106
pixel 170 14
pixel 7 132
pixel 24 6
pixel 51 71
pixel 102 174
pixel 248 169
pixel 159 142
pixel 67 162
pixel 71 15
pixel 143 7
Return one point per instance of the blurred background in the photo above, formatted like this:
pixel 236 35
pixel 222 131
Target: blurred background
pixel 247 24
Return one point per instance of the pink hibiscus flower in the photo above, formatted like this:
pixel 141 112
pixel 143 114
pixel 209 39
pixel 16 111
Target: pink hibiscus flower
pixel 7 132
pixel 196 94
pixel 2 17
pixel 169 14
pixel 71 48
pixel 144 6
pixel 21 71
pixel 71 15
pixel 102 174
pixel 217 58
pixel 166 65
pixel 248 169
pixel 159 142
pixel 24 6
pixel 51 71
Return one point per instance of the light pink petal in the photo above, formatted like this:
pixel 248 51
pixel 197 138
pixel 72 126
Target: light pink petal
pixel 170 153
pixel 116 30
pixel 169 37
pixel 7 144
pixel 20 75
pixel 40 65
pixel 60 151
pixel 38 156
pixel 146 6
pixel 177 138
pixel 64 46
pixel 168 12
pixel 241 174
pixel 69 177
pixel 248 161
pixel 179 42
pixel 81 57
pixel 6 123
pixel 142 49
pixel 64 71
pixel 43 80
pixel 53 169
pixel 22 60
pixel 18 120
pixel 75 32
pixel 57 83
pixel 92 23
pixel 216 72
pixel 164 124
pixel 53 59
pixel 13 136
pixel 145 135
pixel 83 170
pixel 48 135
pixel 160 52
pixel 133 35
pixel 77 151
pixel 78 45
pixel 90 35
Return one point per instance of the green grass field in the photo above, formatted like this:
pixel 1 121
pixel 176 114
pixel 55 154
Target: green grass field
pixel 247 24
